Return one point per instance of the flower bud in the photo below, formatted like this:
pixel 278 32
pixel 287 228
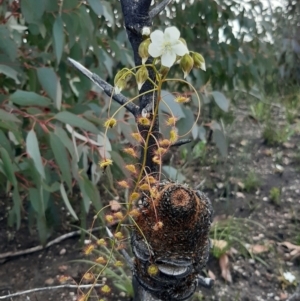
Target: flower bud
pixel 199 61
pixel 120 85
pixel 186 64
pixel 146 31
pixel 121 79
pixel 164 71
pixel 143 50
pixel 141 76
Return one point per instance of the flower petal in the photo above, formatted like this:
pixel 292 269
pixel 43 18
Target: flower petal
pixel 157 36
pixel 180 49
pixel 168 59
pixel 155 50
pixel 172 33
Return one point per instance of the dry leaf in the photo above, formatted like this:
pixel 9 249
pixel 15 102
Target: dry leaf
pixel 293 250
pixel 211 275
pixel 257 249
pixel 220 244
pixel 240 195
pixel 114 205
pixel 224 265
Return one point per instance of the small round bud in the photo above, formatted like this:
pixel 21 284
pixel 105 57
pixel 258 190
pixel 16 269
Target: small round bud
pixel 152 270
pixel 141 76
pixel 186 64
pixel 146 31
pixel 199 61
pixel 143 50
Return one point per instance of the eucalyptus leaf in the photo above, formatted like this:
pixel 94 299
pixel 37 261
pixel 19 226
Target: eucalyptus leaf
pixel 58 38
pixel 8 166
pixel 221 100
pixel 7 44
pixel 24 98
pixel 77 121
pixel 8 116
pixel 9 72
pixel 173 174
pixel 61 158
pixel 32 149
pixel 67 202
pixel 50 83
pixel 168 105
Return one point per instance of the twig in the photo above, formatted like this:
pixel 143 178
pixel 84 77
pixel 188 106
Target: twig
pixel 158 8
pixel 39 289
pixel 122 251
pixel 296 295
pixel 106 87
pixel 49 244
pixel 181 142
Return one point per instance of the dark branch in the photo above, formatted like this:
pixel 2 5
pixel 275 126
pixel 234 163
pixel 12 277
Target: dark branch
pixel 106 87
pixel 158 8
pixel 181 142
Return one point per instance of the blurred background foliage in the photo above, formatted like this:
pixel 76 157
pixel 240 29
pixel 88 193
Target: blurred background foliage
pixel 51 117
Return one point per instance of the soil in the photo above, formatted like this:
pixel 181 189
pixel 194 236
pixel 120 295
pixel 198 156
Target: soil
pixel 239 189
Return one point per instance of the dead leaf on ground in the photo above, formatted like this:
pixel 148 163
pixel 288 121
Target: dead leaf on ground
pixel 292 251
pixel 220 244
pixel 114 205
pixel 211 275
pixel 224 265
pixel 240 195
pixel 257 249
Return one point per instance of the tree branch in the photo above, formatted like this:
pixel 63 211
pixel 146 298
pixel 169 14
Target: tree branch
pixel 39 289
pixel 181 142
pixel 158 8
pixel 40 247
pixel 106 87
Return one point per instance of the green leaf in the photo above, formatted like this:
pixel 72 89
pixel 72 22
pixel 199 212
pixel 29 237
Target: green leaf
pixel 108 13
pixel 50 83
pixel 17 206
pixel 24 98
pixel 85 197
pixel 32 10
pixel 67 202
pixel 7 44
pixel 32 149
pixel 220 140
pixel 77 121
pixel 42 229
pixel 6 144
pixel 221 100
pixel 61 158
pixel 58 38
pixel 96 7
pixel 35 200
pixel 64 138
pixel 8 166
pixel 7 116
pixel 9 72
pixel 92 192
pixel 173 174
pixel 168 103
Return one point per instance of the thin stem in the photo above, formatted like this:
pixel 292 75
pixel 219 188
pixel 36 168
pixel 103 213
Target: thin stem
pixel 39 289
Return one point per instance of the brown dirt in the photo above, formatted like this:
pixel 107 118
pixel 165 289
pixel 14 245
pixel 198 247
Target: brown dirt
pixel 258 221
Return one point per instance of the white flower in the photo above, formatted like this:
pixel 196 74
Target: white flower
pixel 167 45
pixel 289 277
